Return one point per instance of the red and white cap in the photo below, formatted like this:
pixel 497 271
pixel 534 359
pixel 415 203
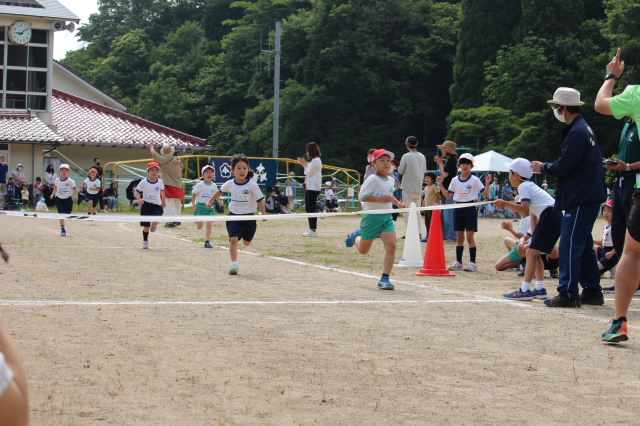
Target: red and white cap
pixel 609 203
pixel 205 168
pixel 93 169
pixel 64 166
pixel 380 152
pixel 152 165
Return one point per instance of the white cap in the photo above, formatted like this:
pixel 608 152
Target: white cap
pixel 328 183
pixel 466 156
pixel 566 96
pixel 64 166
pixel 208 166
pixel 522 167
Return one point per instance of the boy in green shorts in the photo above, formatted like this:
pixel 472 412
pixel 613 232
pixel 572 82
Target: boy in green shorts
pixel 201 194
pixel 377 194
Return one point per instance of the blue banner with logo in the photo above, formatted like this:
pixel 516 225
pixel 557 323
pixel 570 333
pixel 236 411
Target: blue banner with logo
pixel 264 171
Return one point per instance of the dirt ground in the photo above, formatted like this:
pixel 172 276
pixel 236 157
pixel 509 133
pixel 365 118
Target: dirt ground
pixel 113 334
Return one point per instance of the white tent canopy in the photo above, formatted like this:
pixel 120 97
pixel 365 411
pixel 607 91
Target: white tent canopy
pixel 491 161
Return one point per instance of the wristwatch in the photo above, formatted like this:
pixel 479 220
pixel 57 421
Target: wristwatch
pixel 609 75
pixel 628 167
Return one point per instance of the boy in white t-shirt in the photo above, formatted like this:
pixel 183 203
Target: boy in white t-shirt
pixel 200 195
pixel 605 251
pixel 546 224
pixel 93 187
pixel 377 194
pixel 151 199
pixel 330 203
pixel 63 192
pixel 466 188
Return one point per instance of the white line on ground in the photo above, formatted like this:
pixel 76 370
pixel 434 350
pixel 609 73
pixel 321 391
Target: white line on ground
pixel 222 303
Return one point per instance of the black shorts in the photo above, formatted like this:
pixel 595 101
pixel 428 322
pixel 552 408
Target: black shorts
pixel 242 229
pixel 465 219
pixel 150 209
pixel 633 221
pixel 95 198
pixel 64 205
pixel 547 231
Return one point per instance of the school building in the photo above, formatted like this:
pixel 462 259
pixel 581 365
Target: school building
pixel 49 115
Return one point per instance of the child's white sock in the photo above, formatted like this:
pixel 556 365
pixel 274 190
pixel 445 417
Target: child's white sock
pixel 526 286
pixel 539 285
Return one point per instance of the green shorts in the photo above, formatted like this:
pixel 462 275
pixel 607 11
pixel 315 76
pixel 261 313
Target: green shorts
pixel 372 225
pixel 514 256
pixel 202 210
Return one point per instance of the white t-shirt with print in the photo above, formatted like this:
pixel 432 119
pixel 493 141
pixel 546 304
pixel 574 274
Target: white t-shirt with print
pixel 538 198
pixel 93 186
pixel 465 191
pixel 204 191
pixel 377 186
pixel 151 191
pixel 244 197
pixel 607 241
pixel 328 194
pixel 65 188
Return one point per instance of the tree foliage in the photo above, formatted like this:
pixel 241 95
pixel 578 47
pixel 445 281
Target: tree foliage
pixel 358 74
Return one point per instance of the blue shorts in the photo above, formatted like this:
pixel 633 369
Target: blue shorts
pixel 64 205
pixel 547 231
pixel 607 264
pixel 95 198
pixel 465 218
pixel 242 229
pixel 150 209
pixel 372 225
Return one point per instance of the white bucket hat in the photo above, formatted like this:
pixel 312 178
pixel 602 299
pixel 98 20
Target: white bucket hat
pixel 566 96
pixel 522 167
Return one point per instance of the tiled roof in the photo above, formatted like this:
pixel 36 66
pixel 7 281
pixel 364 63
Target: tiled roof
pixel 22 126
pixel 82 122
pixel 50 9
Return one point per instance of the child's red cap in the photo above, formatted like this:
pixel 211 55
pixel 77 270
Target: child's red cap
pixel 609 203
pixel 379 153
pixel 152 165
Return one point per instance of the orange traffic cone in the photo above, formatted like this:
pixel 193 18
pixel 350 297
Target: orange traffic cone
pixel 435 261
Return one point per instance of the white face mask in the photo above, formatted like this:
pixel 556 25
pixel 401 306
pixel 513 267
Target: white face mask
pixel 368 159
pixel 559 115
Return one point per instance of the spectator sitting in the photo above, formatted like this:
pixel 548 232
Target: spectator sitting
pixel 331 202
pixel 606 253
pixel 111 197
pixel 283 202
pixel 271 204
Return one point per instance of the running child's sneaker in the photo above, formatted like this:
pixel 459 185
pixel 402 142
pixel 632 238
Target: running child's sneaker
pixel 153 228
pixel 617 332
pixel 471 267
pixel 351 238
pixel 145 245
pixel 539 294
pixel 519 295
pixel 385 284
pixel 207 244
pixel 63 233
pixel 457 266
pixel 233 270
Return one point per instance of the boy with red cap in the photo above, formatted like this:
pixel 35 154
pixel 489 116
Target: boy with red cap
pixel 377 194
pixel 151 199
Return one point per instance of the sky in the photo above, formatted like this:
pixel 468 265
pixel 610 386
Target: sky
pixel 63 41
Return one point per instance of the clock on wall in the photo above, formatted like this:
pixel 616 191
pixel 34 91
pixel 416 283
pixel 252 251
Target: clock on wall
pixel 20 33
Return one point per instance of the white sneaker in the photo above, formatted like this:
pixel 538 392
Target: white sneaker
pixel 310 233
pixel 234 268
pixel 471 267
pixel 456 267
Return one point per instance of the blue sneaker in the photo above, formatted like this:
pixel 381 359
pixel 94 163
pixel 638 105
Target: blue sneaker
pixel 617 332
pixel 207 244
pixel 385 284
pixel 424 240
pixel 351 238
pixel 539 294
pixel 519 295
pixel 63 233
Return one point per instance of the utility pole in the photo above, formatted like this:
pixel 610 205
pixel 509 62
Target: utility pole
pixel 276 91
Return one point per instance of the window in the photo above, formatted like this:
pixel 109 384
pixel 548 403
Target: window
pixel 24 71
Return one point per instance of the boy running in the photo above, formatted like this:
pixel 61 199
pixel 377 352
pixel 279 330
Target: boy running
pixel 377 194
pixel 151 199
pixel 201 193
pixel 63 192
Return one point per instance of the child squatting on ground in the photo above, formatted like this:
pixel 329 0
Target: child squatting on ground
pixel 606 253
pixel 63 193
pixel 151 199
pixel 201 194
pixel 465 189
pixel 377 194
pixel 546 224
pixel 93 186
pixel 246 198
